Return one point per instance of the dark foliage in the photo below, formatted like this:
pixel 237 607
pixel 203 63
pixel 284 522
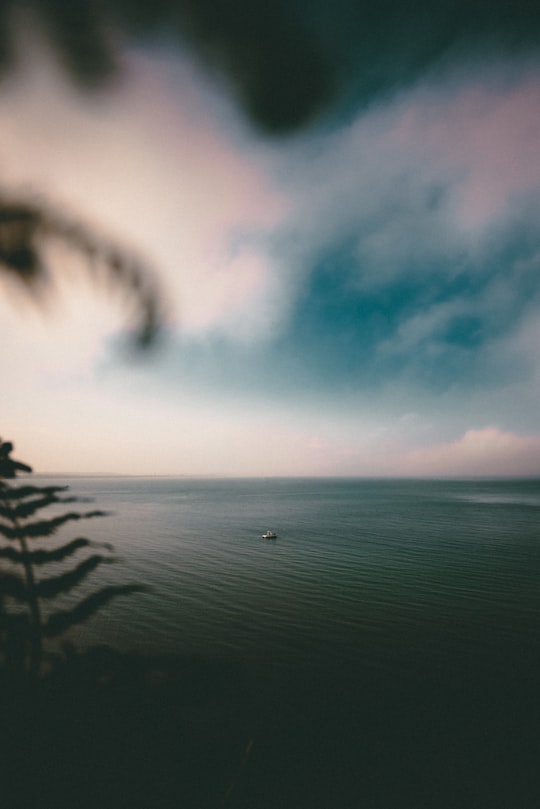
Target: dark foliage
pixel 20 492
pixel 107 729
pixel 61 621
pixel 22 634
pixel 24 510
pixel 8 466
pixel 289 60
pixel 43 528
pixel 42 557
pixel 26 228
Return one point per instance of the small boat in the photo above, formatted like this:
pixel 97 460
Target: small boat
pixel 269 535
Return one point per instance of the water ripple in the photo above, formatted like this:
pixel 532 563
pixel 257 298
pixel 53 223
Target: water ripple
pixel 356 565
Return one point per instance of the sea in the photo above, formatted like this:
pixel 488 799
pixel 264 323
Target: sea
pixel 354 561
pixel 357 564
pixel 409 608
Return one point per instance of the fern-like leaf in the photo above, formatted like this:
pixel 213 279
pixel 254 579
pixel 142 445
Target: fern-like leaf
pixel 57 585
pixel 45 528
pixel 60 621
pixel 12 585
pixel 42 557
pixel 23 510
pixel 20 492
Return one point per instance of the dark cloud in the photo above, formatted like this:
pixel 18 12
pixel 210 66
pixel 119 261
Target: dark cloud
pixel 288 60
pixel 378 47
pixel 272 62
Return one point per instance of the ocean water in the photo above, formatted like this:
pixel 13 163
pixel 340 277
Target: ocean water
pixel 383 652
pixel 361 571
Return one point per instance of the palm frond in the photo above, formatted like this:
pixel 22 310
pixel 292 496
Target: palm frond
pixel 61 621
pixel 26 228
pixel 57 585
pixel 45 528
pixel 43 557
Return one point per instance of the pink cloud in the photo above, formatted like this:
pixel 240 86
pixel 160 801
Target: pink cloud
pixel 489 134
pixel 485 452
pixel 158 163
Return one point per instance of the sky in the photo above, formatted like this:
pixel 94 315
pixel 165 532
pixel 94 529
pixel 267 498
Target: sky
pixel 344 222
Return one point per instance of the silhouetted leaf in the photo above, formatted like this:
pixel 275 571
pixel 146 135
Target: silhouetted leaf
pixel 49 588
pixel 80 40
pixel 6 530
pixel 26 509
pixel 12 585
pixel 45 528
pixel 61 621
pixel 42 557
pixel 20 492
pixel 22 649
pixel 25 231
pixel 8 466
pixel 18 225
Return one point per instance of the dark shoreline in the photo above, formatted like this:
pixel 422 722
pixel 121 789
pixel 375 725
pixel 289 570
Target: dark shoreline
pixel 106 729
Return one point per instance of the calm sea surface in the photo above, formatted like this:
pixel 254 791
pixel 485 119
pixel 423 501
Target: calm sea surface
pixel 361 571
pixel 383 652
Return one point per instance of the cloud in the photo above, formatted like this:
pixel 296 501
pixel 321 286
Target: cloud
pixel 403 271
pixel 160 163
pixel 386 210
pixel 341 258
pixel 487 452
pixel 326 284
pixel 365 279
pixel 484 128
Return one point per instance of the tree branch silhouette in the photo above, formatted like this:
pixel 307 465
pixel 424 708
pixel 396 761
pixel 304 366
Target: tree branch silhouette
pixel 18 504
pixel 286 61
pixel 61 621
pixel 42 557
pixel 25 230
